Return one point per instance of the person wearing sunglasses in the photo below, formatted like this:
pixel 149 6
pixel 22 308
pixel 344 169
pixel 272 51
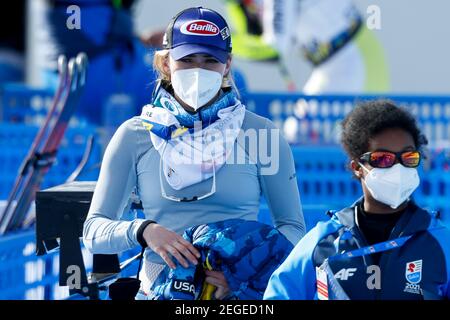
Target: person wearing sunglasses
pixel 176 155
pixel 384 246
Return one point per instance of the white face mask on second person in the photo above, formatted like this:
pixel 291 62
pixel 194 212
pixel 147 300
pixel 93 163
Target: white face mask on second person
pixel 196 86
pixel 391 186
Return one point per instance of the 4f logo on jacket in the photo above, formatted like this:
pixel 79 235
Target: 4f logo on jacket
pixel 344 274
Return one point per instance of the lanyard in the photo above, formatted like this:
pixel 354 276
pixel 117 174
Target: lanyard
pixel 378 247
pixel 327 285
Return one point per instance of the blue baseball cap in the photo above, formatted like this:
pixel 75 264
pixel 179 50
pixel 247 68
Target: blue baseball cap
pixel 198 30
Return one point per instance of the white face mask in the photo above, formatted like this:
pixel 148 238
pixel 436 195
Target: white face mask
pixel 391 186
pixel 196 86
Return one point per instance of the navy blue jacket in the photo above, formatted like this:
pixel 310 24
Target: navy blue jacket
pixel 420 269
pixel 247 252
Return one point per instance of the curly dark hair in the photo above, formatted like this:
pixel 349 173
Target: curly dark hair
pixel 369 118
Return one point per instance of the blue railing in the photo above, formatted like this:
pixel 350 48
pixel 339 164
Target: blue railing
pixel 22 274
pixel 316 119
pixel 20 103
pixel 16 139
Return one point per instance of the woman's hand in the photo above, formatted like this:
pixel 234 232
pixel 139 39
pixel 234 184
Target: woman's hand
pixel 216 278
pixel 166 243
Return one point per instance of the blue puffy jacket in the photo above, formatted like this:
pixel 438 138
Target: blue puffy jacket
pixel 247 252
pixel 419 269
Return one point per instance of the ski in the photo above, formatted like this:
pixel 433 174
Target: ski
pixel 19 181
pixel 84 160
pixel 43 151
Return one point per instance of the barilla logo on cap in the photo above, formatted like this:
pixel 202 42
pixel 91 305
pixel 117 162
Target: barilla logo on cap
pixel 200 28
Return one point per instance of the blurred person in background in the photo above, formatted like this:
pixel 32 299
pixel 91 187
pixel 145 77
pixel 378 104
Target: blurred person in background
pixel 120 75
pixel 330 34
pixel 384 246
